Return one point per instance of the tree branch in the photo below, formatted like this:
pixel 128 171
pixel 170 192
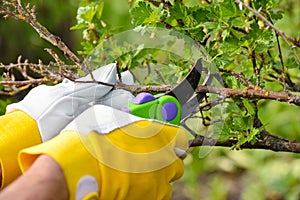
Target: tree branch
pixel 28 15
pixel 251 93
pixel 268 142
pixel 26 82
pixel 23 74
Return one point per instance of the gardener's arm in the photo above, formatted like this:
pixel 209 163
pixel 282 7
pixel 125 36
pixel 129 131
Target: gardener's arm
pixel 44 180
pixel 46 110
pixel 113 155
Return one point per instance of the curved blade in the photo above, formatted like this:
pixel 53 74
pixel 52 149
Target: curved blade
pixel 194 102
pixel 186 88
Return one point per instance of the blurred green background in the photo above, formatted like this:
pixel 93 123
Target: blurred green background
pixel 18 38
pixel 219 174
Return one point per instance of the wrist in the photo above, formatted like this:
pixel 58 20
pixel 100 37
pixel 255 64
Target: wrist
pixel 72 157
pixel 44 180
pixel 47 170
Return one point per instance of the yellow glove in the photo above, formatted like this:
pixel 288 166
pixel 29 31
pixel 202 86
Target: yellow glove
pixel 46 110
pixel 14 130
pixel 108 154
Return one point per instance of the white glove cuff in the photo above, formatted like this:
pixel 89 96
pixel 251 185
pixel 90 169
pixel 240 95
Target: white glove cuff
pixel 53 107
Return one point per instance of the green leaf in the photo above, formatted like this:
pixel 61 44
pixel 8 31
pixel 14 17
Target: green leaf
pixel 200 15
pixel 211 25
pixel 86 14
pixel 3 104
pixel 79 26
pixel 249 106
pixel 239 22
pixel 141 12
pixel 177 11
pixel 99 10
pixel 231 46
pixel 239 123
pixel 251 137
pixel 276 15
pixel 232 82
pixel 291 61
pixel 228 9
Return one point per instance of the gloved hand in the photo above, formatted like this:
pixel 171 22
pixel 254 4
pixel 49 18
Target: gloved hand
pixel 53 107
pixel 46 110
pixel 109 154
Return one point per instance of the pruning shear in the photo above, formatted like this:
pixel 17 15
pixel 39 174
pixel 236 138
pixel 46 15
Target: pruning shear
pixel 175 105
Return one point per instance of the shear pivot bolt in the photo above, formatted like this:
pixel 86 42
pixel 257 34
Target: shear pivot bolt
pixel 169 111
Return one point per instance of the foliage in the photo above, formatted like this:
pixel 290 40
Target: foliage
pixel 98 23
pixel 58 15
pixel 247 52
pixel 237 41
pixel 248 55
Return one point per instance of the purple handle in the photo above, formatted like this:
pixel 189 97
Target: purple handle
pixel 143 98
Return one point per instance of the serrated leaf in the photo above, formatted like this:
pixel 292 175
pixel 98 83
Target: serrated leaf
pixel 228 9
pixel 232 82
pixel 86 14
pixel 239 22
pixel 239 123
pixel 231 46
pixel 276 15
pixel 292 61
pixel 178 11
pixel 141 12
pixel 200 15
pixel 211 25
pixel 249 107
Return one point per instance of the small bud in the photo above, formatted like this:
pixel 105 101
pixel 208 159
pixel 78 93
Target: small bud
pixel 261 24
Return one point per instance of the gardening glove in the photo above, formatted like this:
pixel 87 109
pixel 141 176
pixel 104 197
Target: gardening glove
pixel 53 107
pixel 46 110
pixel 109 154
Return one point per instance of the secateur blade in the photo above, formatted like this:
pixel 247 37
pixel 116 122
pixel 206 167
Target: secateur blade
pixel 186 88
pixel 195 101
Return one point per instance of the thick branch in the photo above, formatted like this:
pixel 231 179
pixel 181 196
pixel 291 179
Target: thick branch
pixel 267 141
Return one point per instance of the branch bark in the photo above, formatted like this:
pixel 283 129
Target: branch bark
pixel 266 141
pixel 250 93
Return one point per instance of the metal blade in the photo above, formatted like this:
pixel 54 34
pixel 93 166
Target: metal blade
pixel 194 102
pixel 186 88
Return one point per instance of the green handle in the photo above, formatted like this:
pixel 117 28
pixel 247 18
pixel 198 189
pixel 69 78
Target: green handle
pixel 165 108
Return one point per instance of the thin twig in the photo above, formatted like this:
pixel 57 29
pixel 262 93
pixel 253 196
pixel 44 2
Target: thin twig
pixel 91 81
pixel 26 14
pixel 27 82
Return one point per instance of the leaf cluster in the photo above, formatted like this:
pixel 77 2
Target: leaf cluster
pixel 248 52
